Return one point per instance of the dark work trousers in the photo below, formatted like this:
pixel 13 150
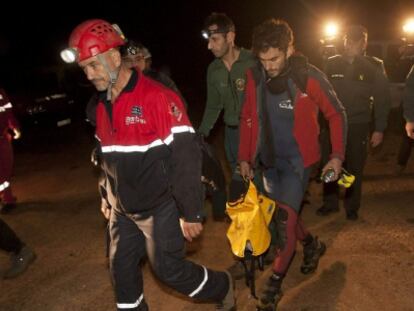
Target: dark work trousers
pixel 161 239
pixel 355 157
pixel 231 146
pixel 405 150
pixel 6 167
pixel 9 241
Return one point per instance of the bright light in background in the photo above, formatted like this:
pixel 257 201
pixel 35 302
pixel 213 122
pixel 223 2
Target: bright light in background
pixel 331 30
pixel 408 27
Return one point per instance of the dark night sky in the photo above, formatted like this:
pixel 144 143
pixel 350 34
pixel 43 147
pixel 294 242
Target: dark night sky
pixel 172 29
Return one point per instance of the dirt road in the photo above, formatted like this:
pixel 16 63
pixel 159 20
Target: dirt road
pixel 369 264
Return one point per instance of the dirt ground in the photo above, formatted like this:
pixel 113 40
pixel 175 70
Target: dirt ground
pixel 369 264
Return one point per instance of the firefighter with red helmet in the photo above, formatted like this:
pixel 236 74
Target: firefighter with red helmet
pixel 152 164
pixel 9 129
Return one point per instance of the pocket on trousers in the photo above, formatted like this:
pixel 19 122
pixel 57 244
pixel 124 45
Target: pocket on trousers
pixel 173 247
pixel 170 257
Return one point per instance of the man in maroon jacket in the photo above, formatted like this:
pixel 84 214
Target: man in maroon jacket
pixel 9 129
pixel 279 131
pixel 152 164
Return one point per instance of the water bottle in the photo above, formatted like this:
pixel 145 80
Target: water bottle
pixel 328 176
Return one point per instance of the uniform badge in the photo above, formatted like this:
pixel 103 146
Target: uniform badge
pixel 240 84
pixel 135 117
pixel 136 111
pixel 175 111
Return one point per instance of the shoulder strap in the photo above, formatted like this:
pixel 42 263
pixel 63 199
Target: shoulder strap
pixel 299 71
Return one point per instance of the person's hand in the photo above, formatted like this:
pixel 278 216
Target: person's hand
pixel 245 171
pixel 376 138
pixel 336 165
pixel 105 209
pixel 16 133
pixel 191 230
pixel 409 127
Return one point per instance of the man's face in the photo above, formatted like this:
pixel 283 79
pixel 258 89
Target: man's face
pixel 354 48
pixel 273 61
pixel 218 43
pixel 96 72
pixel 135 61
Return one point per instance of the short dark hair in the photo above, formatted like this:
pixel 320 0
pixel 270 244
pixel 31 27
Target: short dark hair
pixel 131 47
pixel 222 21
pixel 272 33
pixel 356 32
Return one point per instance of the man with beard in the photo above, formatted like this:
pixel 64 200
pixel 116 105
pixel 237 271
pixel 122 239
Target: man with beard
pixel 279 134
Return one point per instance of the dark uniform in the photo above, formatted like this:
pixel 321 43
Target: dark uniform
pixel 363 89
pixel 408 111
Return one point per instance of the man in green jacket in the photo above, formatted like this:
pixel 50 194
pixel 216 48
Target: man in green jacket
pixel 226 79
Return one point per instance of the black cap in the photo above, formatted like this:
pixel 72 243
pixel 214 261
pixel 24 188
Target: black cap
pixel 356 32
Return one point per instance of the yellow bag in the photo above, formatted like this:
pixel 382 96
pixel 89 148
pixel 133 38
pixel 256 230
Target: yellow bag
pixel 250 217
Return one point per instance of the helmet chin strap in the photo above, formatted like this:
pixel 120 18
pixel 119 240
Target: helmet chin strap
pixel 113 76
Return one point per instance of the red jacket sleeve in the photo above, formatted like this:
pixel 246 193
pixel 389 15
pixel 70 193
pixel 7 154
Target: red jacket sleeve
pixel 6 108
pixel 248 122
pixel 334 112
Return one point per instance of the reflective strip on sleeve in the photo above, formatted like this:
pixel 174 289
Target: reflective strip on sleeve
pixel 176 130
pixel 200 287
pixel 6 106
pixel 4 185
pixel 130 305
pixel 182 129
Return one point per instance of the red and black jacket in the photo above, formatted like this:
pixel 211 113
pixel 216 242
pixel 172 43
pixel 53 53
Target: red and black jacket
pixel 316 94
pixel 149 149
pixel 7 119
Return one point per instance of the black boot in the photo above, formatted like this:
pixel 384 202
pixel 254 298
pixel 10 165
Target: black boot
pixel 313 250
pixel 271 294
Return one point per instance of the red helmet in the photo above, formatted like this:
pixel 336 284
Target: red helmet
pixel 93 37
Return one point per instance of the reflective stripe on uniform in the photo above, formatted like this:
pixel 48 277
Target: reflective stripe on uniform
pixel 130 305
pixel 6 106
pixel 4 185
pixel 144 148
pixel 200 287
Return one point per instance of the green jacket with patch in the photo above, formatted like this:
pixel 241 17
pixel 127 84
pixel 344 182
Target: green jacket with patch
pixel 225 90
